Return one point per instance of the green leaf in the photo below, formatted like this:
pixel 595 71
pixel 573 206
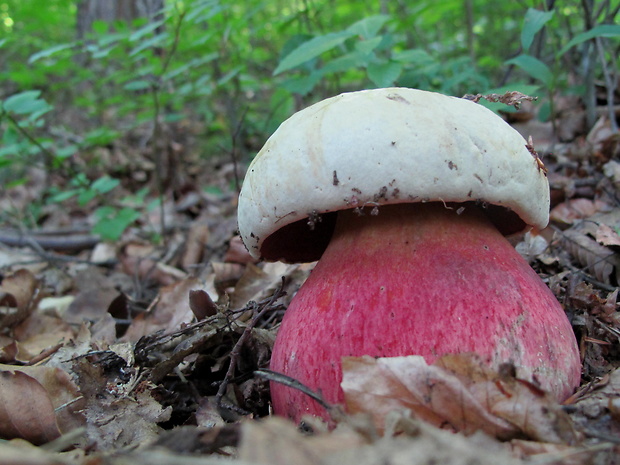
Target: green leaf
pixel 100 136
pixel 384 74
pixel 27 102
pixel 49 51
pixel 367 46
pixel 311 49
pixel 86 196
pixel 66 152
pixel 113 222
pixel 104 184
pixel 368 27
pixel 416 56
pixel 154 41
pixel 602 30
pixel 64 195
pixel 138 84
pixel 534 22
pixel 534 67
pixel 144 30
pixel 303 85
pixel 345 62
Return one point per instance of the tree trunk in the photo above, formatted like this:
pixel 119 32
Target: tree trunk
pixel 109 11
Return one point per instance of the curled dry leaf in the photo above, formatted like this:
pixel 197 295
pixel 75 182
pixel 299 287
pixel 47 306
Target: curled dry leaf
pixel 276 441
pixel 26 410
pixel 63 393
pixel 597 259
pixel 171 310
pixel 226 274
pixel 532 246
pixel 237 253
pixel 259 283
pixel 18 293
pixel 201 304
pixel 458 392
pixel 606 236
pixel 595 413
pixel 576 209
pixel 140 260
pixel 197 238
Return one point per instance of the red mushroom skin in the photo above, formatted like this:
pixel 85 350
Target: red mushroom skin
pixel 420 279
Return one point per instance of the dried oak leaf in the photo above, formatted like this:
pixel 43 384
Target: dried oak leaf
pixel 458 392
pixel 195 245
pixel 276 441
pixel 594 413
pixel 606 236
pixel 171 310
pixel 18 294
pixel 576 209
pixel 26 410
pixel 61 390
pixel 600 261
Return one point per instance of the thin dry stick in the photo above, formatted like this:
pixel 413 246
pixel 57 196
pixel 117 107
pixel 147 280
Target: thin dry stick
pixel 234 354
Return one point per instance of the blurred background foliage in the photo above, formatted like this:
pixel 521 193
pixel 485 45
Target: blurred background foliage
pixel 202 79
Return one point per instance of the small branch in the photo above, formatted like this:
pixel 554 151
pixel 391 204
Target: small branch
pixel 610 83
pixel 49 240
pixel 280 378
pixel 49 156
pixel 233 152
pixel 234 355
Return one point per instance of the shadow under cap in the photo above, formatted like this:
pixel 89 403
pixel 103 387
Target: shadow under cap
pixel 298 242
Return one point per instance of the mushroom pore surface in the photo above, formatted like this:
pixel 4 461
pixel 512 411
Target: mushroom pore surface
pixel 420 279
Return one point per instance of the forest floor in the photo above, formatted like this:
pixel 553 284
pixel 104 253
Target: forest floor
pixel 142 353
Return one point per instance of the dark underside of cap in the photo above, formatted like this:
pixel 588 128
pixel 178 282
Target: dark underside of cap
pixel 306 240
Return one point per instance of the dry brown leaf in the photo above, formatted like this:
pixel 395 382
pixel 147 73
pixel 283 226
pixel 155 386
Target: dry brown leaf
pixel 592 410
pixel 238 253
pixel 597 259
pixel 606 236
pixel 61 390
pixel 552 454
pixel 532 246
pixel 276 441
pixel 18 294
pixel 139 260
pixel 170 312
pixel 207 414
pixel 259 283
pixel 417 442
pixel 197 238
pixel 226 274
pixel 458 392
pixel 575 209
pixel 38 333
pixel 201 304
pixel 26 410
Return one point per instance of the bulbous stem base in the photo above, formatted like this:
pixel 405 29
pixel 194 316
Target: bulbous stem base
pixel 420 279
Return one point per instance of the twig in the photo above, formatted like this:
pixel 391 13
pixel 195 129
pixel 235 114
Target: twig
pixel 294 384
pixel 234 354
pixel 49 240
pixel 233 152
pixel 49 156
pixel 610 83
pixel 156 136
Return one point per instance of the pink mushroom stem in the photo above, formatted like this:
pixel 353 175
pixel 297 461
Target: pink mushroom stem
pixel 420 279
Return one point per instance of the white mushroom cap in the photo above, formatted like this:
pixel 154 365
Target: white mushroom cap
pixel 381 147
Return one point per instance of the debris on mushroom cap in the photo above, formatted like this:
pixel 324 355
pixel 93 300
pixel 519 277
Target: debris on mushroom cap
pixel 380 147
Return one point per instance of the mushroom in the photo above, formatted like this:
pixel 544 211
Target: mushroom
pixel 405 197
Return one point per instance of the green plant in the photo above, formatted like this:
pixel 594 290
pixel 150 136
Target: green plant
pixel 370 52
pixel 550 75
